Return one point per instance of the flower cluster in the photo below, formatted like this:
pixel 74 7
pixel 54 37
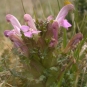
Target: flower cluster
pixel 31 31
pixel 38 42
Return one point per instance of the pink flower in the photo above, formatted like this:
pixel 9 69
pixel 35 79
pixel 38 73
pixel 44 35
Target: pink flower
pixel 31 29
pixel 8 32
pixel 49 18
pixel 18 42
pixel 15 23
pixel 14 35
pixel 30 21
pixel 62 14
pixel 54 39
pixel 73 42
pixel 29 32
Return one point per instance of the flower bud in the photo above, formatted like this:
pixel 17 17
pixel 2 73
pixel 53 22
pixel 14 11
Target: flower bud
pixel 73 42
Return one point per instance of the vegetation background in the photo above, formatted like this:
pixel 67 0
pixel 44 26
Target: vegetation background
pixel 41 9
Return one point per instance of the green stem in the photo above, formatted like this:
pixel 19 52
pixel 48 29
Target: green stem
pixel 50 7
pixel 23 6
pixel 58 4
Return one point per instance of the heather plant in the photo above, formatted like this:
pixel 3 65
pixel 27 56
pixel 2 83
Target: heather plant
pixel 49 53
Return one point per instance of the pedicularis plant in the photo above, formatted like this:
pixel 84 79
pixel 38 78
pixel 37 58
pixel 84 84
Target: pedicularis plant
pixel 48 57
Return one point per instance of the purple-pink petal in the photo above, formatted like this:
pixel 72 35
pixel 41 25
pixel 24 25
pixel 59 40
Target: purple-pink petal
pixel 62 14
pixel 36 32
pixel 8 33
pixel 65 24
pixel 15 23
pixel 13 20
pixel 17 30
pixel 31 33
pixel 28 34
pixel 64 11
pixel 49 18
pixel 30 21
pixel 24 28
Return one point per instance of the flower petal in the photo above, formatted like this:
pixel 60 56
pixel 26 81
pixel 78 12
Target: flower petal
pixel 30 21
pixel 64 11
pixel 36 32
pixel 49 18
pixel 17 30
pixel 6 32
pixel 24 28
pixel 65 24
pixel 62 14
pixel 18 43
pixel 28 34
pixel 13 20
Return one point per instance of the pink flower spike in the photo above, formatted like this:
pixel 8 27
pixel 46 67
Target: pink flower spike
pixel 62 14
pixel 13 20
pixel 30 21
